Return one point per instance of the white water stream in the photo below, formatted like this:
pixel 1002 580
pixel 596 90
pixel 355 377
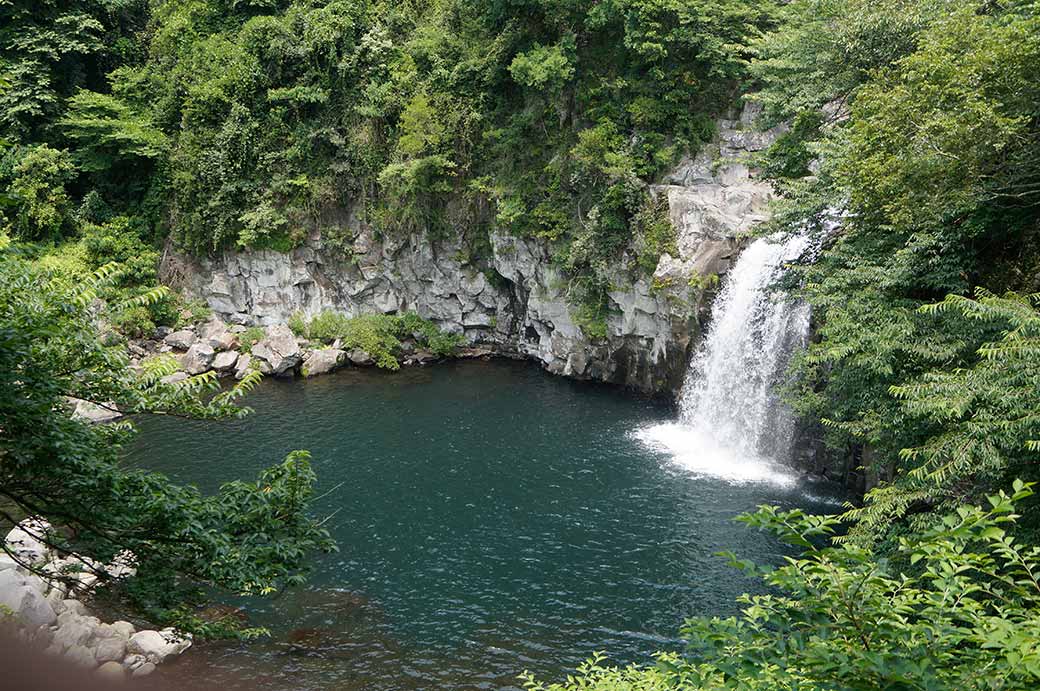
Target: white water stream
pixel 731 423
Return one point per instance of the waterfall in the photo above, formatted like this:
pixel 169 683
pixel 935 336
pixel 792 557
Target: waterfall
pixel 731 421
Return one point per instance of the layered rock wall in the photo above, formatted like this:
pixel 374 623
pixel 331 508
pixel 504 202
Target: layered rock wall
pixel 515 301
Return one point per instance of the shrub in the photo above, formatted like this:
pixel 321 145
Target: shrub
pixel 250 337
pixel 327 326
pixel 591 320
pixel 193 312
pixel 69 259
pixel 441 343
pixel 379 335
pixel 37 186
pixel 298 324
pixel 134 322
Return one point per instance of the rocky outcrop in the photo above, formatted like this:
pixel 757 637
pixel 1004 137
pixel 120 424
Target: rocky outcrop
pixel 513 301
pixel 715 199
pixel 39 605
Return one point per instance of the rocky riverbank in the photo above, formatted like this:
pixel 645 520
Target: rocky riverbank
pixel 41 591
pixel 512 299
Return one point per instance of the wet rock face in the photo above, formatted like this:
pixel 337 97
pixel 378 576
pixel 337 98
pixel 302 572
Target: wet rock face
pixel 515 300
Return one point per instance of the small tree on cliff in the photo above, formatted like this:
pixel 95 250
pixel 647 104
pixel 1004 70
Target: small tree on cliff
pixel 250 538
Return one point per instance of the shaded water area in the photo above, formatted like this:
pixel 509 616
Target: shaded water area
pixel 491 519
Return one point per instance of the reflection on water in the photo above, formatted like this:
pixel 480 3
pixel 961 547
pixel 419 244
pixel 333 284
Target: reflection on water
pixel 491 519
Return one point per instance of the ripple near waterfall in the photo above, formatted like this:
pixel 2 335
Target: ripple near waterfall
pixel 732 424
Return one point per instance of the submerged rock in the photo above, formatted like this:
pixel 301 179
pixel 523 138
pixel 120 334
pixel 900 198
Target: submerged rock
pixel 144 670
pixel 111 671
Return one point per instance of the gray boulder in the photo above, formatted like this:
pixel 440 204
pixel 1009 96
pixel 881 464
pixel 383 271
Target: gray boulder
pixel 156 646
pixel 225 361
pixel 132 662
pixel 361 358
pixel 124 629
pixel 181 340
pixel 73 630
pixel 216 334
pixel 278 352
pixel 242 365
pixel 226 341
pixel 29 606
pixel 110 650
pixel 144 670
pixel 322 361
pixel 95 414
pixel 81 655
pixel 198 358
pixel 23 541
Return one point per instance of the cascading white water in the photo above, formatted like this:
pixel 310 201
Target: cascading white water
pixel 731 422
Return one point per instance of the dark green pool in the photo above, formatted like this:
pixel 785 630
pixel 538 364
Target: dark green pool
pixel 491 519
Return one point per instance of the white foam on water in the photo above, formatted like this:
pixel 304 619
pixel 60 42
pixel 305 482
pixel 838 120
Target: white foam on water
pixel 694 452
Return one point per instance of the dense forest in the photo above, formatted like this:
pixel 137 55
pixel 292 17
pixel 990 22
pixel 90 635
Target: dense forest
pixel 911 157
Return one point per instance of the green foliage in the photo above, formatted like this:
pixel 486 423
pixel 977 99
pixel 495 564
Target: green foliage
pixel 249 125
pixel 926 186
pixel 375 334
pixel 440 343
pixel 962 613
pixel 47 47
pixel 134 322
pixel 545 66
pixel 379 335
pixel 823 50
pixel 194 312
pixel 36 183
pixel 251 537
pixel 982 419
pixel 298 324
pixel 592 320
pixel 655 234
pixel 250 337
pixel 107 132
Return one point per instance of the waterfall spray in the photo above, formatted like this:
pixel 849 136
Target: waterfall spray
pixel 731 421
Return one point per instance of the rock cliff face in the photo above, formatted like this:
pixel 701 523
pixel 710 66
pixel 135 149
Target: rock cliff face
pixel 514 300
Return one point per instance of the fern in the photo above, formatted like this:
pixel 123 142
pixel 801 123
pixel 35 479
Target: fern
pixel 985 417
